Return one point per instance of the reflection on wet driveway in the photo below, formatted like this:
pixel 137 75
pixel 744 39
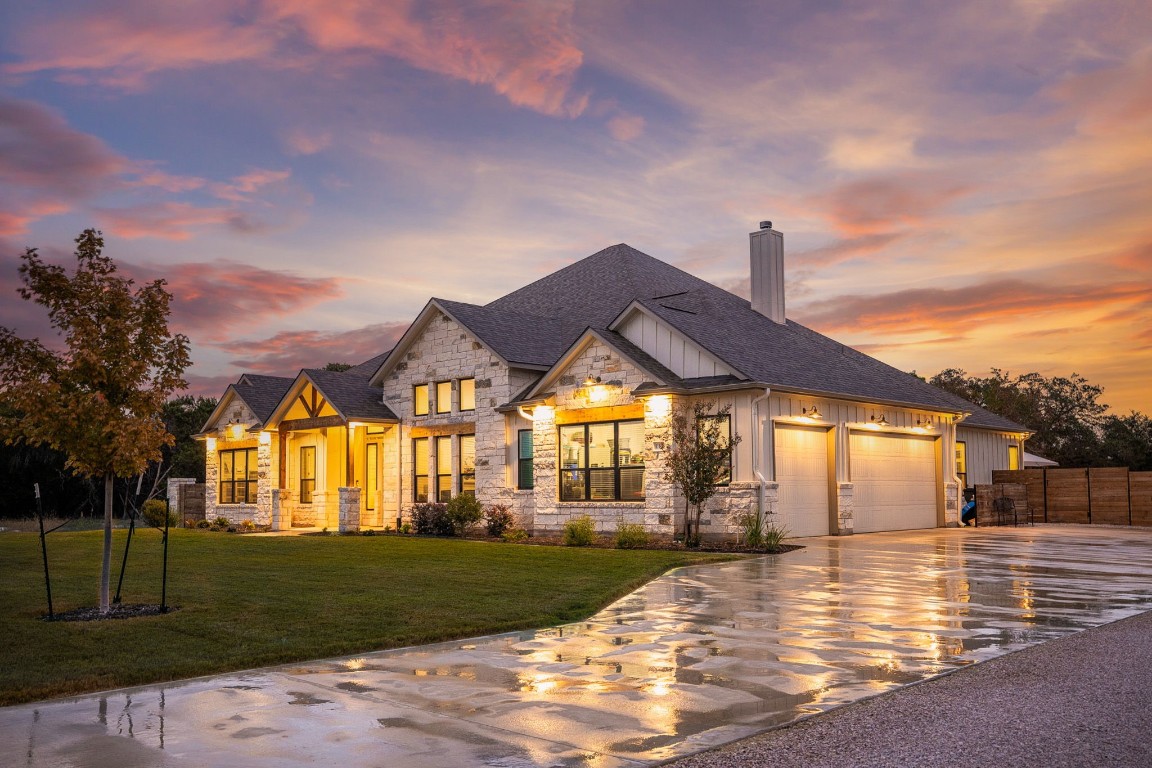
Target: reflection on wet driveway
pixel 696 658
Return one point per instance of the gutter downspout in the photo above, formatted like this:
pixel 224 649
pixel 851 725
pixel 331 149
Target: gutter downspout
pixel 755 453
pixel 527 416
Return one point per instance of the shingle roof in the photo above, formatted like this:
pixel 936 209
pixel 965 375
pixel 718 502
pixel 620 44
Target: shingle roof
pixel 518 337
pixel 789 356
pixel 262 393
pixel 350 393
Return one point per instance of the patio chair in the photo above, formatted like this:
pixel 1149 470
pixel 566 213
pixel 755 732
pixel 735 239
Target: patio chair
pixel 1003 507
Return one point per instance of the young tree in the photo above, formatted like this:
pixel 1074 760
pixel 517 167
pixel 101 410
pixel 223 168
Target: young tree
pixel 99 399
pixel 699 458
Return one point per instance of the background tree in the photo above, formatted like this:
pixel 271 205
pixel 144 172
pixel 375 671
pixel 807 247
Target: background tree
pixel 337 366
pixel 1064 413
pixel 183 417
pixel 1126 441
pixel 99 399
pixel 699 458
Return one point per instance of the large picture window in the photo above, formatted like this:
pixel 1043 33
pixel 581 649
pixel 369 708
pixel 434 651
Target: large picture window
pixel 307 473
pixel 420 464
pixel 723 434
pixel 602 461
pixel 238 475
pixel 467 465
pixel 444 468
pixel 525 480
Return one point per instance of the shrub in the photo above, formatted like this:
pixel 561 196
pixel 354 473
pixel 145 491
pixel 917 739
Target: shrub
pixel 631 536
pixel 579 532
pixel 431 519
pixel 368 532
pixel 406 528
pixel 464 511
pixel 153 513
pixel 773 535
pixel 499 518
pixel 247 526
pixel 221 522
pixel 751 530
pixel 515 535
pixel 203 524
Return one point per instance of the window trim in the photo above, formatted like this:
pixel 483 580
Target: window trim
pixel 440 410
pixel 962 461
pixel 586 470
pixel 416 442
pixel 731 449
pixel 461 397
pixel 460 473
pixel 250 486
pixel 1014 452
pixel 306 497
pixel 441 465
pixel 416 400
pixel 371 475
pixel 521 485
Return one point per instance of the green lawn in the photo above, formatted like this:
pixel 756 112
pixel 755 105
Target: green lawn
pixel 248 601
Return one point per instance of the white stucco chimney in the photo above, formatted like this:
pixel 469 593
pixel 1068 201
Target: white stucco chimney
pixel 767 247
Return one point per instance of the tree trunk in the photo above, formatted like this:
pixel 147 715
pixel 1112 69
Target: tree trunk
pixel 106 564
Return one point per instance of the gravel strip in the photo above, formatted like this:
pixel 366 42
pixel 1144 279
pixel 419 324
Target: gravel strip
pixel 1081 700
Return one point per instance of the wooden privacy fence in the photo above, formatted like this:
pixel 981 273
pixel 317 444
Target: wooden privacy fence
pixel 1105 495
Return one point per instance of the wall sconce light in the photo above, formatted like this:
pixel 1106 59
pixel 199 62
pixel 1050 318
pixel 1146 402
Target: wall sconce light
pixel 234 430
pixel 881 422
pixel 812 413
pixel 597 392
pixel 265 438
pixel 211 444
pixel 924 426
pixel 659 405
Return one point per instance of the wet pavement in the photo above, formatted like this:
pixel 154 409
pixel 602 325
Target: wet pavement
pixel 697 658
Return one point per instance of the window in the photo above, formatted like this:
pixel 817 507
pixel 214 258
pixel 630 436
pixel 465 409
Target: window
pixel 443 397
pixel 371 475
pixel 467 466
pixel 962 462
pixel 1013 457
pixel 467 394
pixel 444 468
pixel 238 474
pixel 307 473
pixel 524 453
pixel 724 436
pixel 420 399
pixel 602 461
pixel 420 464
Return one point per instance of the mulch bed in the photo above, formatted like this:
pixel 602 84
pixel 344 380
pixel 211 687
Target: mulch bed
pixel 115 611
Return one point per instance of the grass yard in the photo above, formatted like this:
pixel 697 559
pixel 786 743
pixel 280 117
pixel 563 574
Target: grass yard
pixel 249 601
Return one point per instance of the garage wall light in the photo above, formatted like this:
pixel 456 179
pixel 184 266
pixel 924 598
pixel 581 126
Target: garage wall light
pixel 812 413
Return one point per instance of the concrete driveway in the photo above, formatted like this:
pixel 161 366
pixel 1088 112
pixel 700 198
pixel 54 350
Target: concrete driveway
pixel 697 658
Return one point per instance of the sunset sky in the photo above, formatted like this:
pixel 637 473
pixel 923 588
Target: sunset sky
pixel 961 184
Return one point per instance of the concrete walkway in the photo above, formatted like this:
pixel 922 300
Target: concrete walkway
pixel 698 658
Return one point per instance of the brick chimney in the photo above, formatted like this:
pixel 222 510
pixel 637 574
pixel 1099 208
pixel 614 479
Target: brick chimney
pixel 767 247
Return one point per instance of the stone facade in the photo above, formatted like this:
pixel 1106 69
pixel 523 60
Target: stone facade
pixel 844 507
pixel 349 504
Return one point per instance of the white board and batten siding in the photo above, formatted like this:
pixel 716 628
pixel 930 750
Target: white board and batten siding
pixel 671 349
pixel 986 450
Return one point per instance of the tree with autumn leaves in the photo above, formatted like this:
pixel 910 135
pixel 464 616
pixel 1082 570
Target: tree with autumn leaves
pixel 98 399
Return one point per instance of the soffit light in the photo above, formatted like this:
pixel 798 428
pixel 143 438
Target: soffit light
pixel 811 413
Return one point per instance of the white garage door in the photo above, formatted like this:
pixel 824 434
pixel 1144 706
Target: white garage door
pixel 802 472
pixel 894 479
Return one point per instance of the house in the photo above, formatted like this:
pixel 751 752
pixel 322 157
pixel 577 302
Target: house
pixel 556 400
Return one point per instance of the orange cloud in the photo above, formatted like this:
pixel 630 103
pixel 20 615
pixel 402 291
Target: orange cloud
pixel 958 309
pixel 525 52
pixel 287 352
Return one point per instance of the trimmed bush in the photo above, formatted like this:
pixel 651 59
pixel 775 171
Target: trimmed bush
pixel 153 513
pixel 579 532
pixel 464 511
pixel 431 519
pixel 499 518
pixel 631 536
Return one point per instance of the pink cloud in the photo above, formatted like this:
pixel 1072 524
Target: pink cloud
pixel 525 52
pixel 210 299
pixel 626 127
pixel 287 352
pixel 879 205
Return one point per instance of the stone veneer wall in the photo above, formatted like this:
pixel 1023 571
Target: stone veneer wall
pixel 447 351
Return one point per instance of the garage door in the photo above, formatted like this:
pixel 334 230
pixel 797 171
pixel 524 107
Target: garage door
pixel 802 472
pixel 894 479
